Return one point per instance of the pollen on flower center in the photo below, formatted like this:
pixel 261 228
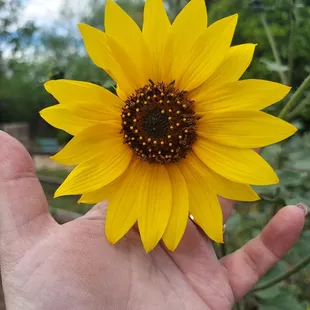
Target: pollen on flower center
pixel 159 123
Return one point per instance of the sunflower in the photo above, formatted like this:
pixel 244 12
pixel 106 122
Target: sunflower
pixel 179 133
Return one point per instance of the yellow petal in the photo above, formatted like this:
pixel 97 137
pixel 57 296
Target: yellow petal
pixel 99 171
pixel 208 52
pixel 100 194
pixel 245 129
pixel 123 208
pixel 231 69
pixel 240 95
pixel 155 31
pixel 62 118
pixel 88 144
pixel 106 192
pixel 222 186
pixel 186 28
pixel 203 203
pixel 238 165
pixel 93 101
pixel 128 46
pixel 180 209
pixel 122 95
pixel 137 78
pixel 154 201
pixel 98 49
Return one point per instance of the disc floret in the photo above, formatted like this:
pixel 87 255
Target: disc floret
pixel 159 123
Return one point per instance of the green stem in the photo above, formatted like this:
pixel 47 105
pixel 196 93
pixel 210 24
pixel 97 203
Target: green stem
pixel 273 46
pixel 292 102
pixel 299 108
pixel 291 46
pixel 285 276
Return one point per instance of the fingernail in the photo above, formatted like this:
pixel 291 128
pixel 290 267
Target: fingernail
pixel 304 207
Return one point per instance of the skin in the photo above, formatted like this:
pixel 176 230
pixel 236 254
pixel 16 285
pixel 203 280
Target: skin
pixel 45 265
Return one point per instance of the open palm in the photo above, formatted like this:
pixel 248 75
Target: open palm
pixel 46 266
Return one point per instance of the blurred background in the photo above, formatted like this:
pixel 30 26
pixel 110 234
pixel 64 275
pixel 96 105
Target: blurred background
pixel 39 41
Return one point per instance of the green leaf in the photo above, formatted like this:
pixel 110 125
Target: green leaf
pixel 279 269
pixel 271 190
pixel 282 301
pixel 233 223
pixel 302 247
pixel 108 83
pixel 300 198
pixel 269 293
pixel 272 153
pixel 291 178
pixel 303 163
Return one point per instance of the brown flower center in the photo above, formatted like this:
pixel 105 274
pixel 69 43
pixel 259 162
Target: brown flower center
pixel 159 123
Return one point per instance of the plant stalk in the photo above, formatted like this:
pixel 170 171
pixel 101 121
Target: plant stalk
pixel 273 46
pixel 292 102
pixel 291 45
pixel 299 108
pixel 285 276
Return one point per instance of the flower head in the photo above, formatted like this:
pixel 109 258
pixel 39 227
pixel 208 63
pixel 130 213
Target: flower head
pixel 180 130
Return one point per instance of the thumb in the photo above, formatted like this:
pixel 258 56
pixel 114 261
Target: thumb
pixel 24 216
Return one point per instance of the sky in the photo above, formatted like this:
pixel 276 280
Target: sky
pixel 47 15
pixel 41 11
pixel 47 12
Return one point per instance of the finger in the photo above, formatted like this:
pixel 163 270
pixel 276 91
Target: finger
pixel 24 210
pixel 248 264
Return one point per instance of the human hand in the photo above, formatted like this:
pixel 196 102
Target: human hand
pixel 72 266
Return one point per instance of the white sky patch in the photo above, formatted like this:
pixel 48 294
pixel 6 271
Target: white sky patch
pixel 49 12
pixel 60 16
pixel 42 12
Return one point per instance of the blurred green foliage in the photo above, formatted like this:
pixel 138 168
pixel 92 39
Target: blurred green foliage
pixel 31 55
